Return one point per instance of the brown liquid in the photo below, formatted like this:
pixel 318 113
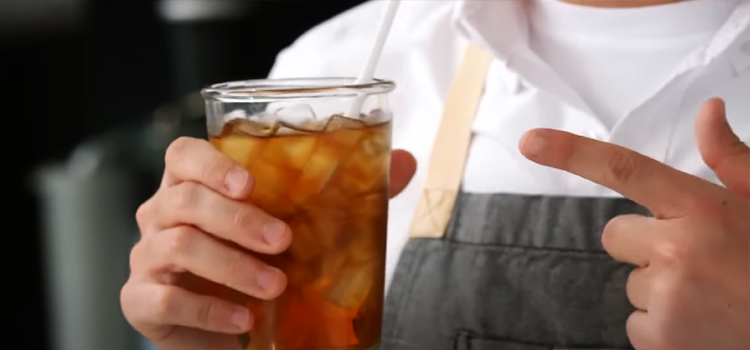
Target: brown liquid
pixel 330 186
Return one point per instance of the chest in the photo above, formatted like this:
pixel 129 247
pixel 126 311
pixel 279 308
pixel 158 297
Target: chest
pixel 661 128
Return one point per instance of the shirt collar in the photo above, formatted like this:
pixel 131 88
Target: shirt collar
pixel 501 27
pixel 734 39
pixel 495 26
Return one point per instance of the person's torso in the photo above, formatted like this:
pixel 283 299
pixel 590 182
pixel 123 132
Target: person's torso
pixel 422 57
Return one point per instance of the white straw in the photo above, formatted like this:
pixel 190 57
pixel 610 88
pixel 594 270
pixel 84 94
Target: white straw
pixel 366 75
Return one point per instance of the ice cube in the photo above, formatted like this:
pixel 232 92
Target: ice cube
pixel 287 129
pixel 290 152
pixel 332 263
pixel 270 188
pixel 376 116
pixel 345 132
pixel 337 122
pixel 367 225
pixel 367 241
pixel 273 178
pixel 235 114
pixel 370 206
pixel 347 139
pixel 332 196
pixel 376 144
pixel 240 149
pixel 329 265
pixel 351 287
pixel 362 173
pixel 304 245
pixel 259 127
pixel 328 223
pixel 364 246
pixel 298 115
pixel 273 203
pixel 381 118
pixel 315 175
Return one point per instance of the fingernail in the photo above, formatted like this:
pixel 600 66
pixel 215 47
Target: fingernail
pixel 535 144
pixel 273 232
pixel 236 180
pixel 268 278
pixel 241 318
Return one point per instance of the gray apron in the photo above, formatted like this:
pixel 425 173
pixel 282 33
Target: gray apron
pixel 499 271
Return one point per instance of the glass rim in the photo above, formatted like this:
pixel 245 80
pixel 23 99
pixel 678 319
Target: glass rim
pixel 259 90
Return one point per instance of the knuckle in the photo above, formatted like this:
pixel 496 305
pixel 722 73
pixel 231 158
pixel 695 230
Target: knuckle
pixel 135 256
pixel 633 331
pixel 183 196
pixel 630 284
pixel 179 241
pixel 143 214
pixel 709 205
pixel 660 291
pixel 609 232
pixel 244 217
pixel 216 169
pixel 238 265
pixel 621 167
pixel 163 305
pixel 672 254
pixel 125 299
pixel 641 338
pixel 207 312
pixel 131 306
pixel 631 328
pixel 177 150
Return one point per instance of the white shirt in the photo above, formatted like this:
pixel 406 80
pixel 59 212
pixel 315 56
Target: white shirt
pixel 615 59
pixel 522 92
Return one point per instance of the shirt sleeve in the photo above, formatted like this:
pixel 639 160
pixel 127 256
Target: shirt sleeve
pixel 290 63
pixel 336 47
pixel 314 54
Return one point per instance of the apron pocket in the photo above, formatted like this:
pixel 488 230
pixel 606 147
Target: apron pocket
pixel 454 295
pixel 469 341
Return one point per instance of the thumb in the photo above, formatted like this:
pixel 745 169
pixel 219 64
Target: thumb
pixel 403 167
pixel 721 149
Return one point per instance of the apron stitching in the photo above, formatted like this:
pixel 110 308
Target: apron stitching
pixel 491 246
pixel 491 338
pixel 468 335
pixel 455 220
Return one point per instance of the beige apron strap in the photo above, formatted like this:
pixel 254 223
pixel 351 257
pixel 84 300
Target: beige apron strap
pixel 451 147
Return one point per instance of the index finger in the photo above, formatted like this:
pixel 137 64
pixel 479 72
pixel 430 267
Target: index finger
pixel 196 160
pixel 660 188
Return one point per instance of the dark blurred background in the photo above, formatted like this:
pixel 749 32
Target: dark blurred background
pixel 93 91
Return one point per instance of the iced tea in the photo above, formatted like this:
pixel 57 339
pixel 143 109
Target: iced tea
pixel 330 184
